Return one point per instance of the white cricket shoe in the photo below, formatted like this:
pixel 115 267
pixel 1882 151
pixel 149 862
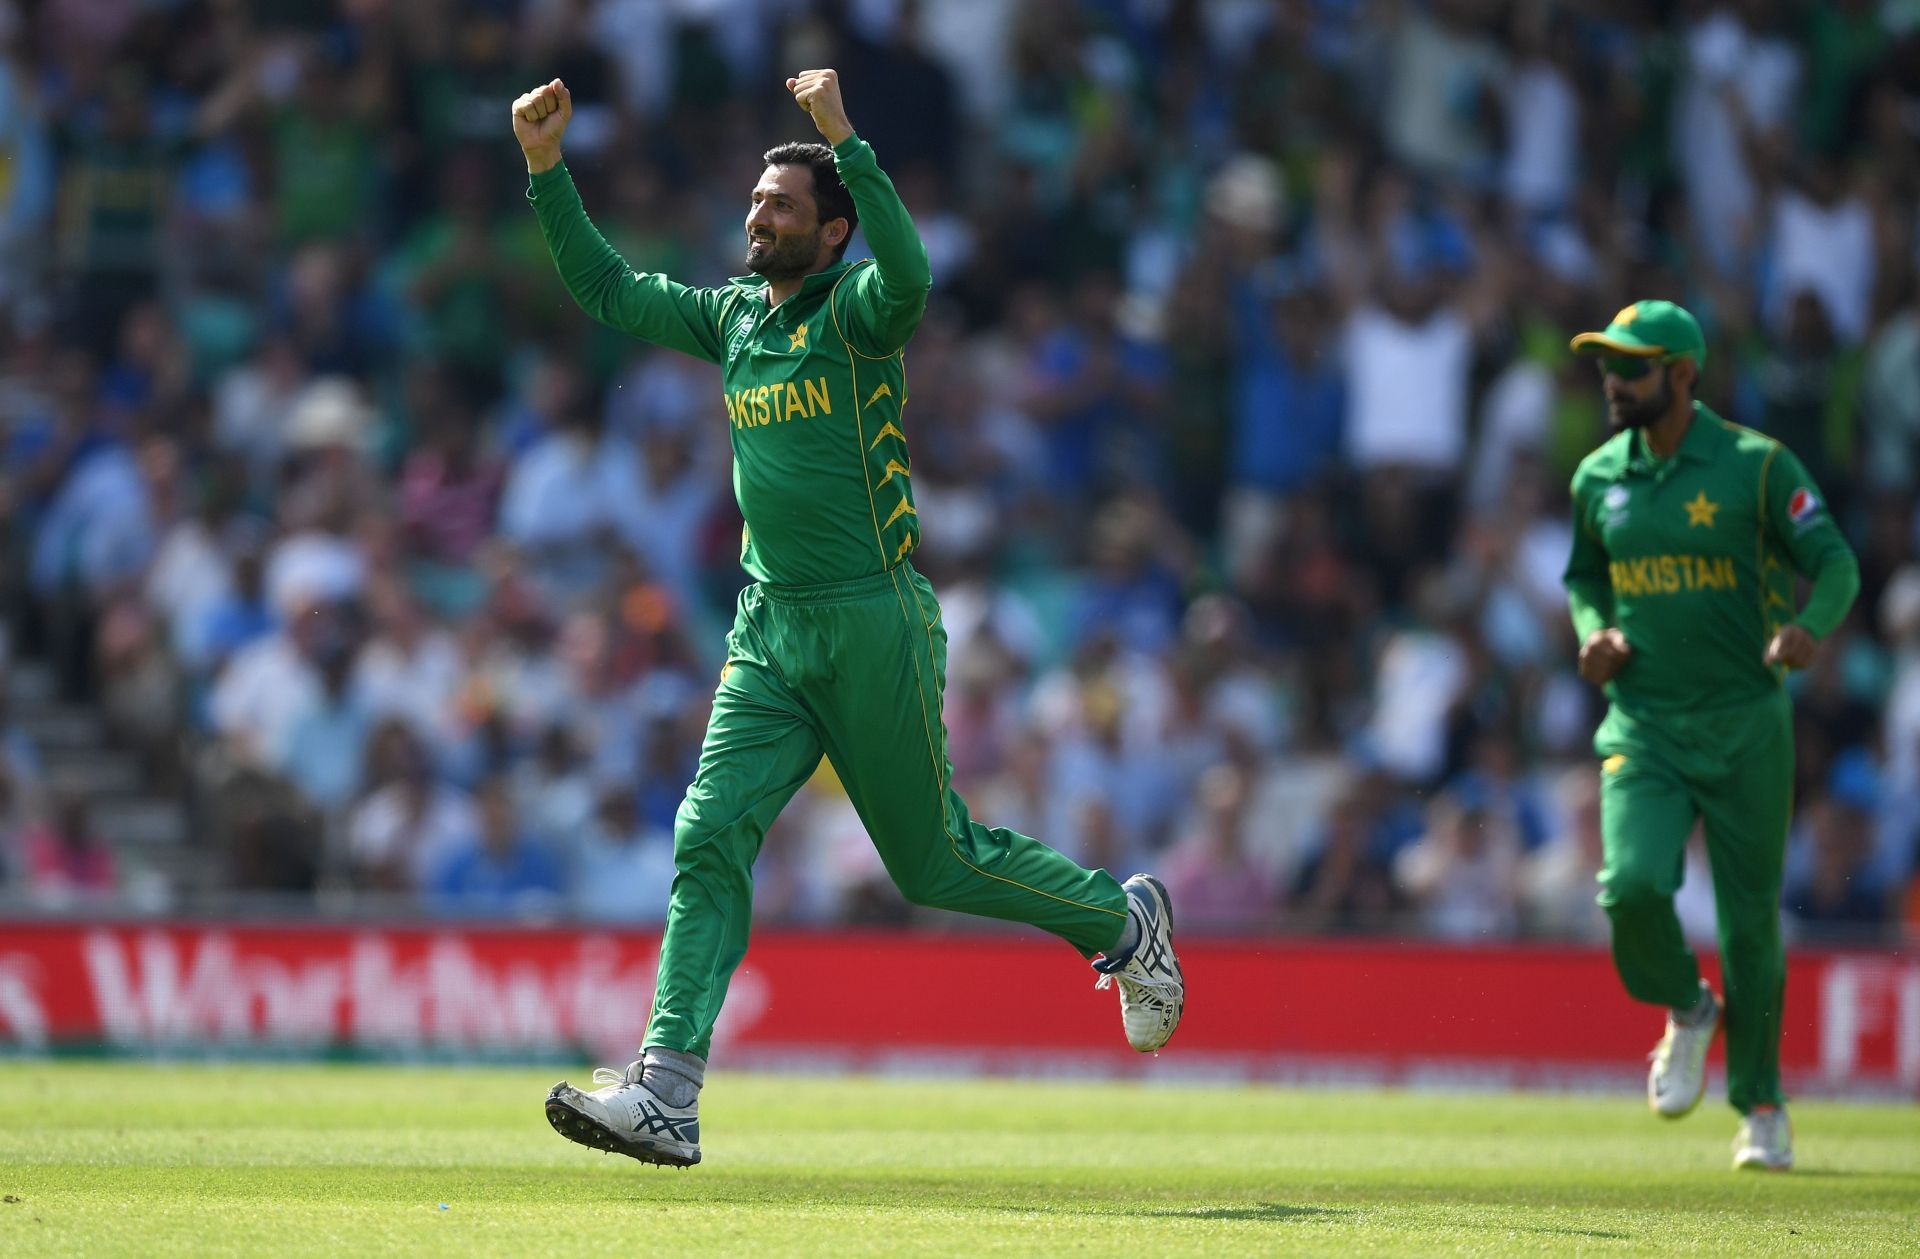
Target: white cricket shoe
pixel 1152 991
pixel 1678 1078
pixel 1765 1140
pixel 626 1117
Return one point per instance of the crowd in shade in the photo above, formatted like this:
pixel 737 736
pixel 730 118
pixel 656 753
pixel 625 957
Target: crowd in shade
pixel 1241 425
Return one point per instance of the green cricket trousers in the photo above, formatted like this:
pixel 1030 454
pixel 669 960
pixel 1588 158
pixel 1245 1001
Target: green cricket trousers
pixel 1732 769
pixel 855 671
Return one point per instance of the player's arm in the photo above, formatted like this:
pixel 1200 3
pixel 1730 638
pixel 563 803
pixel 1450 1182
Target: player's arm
pixel 650 307
pixel 1603 647
pixel 887 299
pixel 1798 519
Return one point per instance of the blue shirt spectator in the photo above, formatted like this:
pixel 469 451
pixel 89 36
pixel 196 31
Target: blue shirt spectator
pixel 1288 394
pixel 504 873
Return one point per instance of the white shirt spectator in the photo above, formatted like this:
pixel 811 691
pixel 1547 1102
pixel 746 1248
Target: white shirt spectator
pixel 624 878
pixel 418 686
pixel 1892 402
pixel 1514 417
pixel 265 687
pixel 252 405
pixel 1829 251
pixel 1431 119
pixel 313 567
pixel 1543 128
pixel 188 580
pixel 1419 678
pixel 1407 389
pixel 564 490
pixel 381 830
pixel 1764 75
pixel 662 524
pixel 1467 886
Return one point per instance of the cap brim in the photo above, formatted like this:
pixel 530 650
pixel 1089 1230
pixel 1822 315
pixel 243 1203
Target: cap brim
pixel 1601 343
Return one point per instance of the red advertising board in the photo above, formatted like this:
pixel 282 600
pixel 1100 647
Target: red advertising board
pixel 1293 1009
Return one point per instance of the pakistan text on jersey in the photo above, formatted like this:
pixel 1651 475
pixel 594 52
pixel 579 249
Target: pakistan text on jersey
pixel 1672 574
pixel 776 404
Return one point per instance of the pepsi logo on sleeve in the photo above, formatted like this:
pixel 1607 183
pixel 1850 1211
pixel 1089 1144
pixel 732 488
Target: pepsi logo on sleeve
pixel 1803 506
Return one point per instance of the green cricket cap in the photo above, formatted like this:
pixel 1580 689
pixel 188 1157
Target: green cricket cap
pixel 1648 330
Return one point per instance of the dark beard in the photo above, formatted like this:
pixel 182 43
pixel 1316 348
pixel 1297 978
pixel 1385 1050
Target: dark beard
pixel 788 258
pixel 1640 414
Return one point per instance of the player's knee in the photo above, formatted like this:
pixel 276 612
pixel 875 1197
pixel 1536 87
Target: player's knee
pixel 1629 890
pixel 698 842
pixel 920 890
pixel 1757 939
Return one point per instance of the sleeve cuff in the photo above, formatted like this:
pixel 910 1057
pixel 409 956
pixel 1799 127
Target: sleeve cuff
pixel 548 181
pixel 851 147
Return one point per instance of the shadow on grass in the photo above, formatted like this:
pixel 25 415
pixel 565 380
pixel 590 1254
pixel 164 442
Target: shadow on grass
pixel 925 1198
pixel 1271 1211
pixel 1600 1233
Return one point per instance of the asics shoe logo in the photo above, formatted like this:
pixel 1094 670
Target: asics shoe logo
pixel 657 1122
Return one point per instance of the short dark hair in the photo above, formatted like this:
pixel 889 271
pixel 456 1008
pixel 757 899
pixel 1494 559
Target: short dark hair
pixel 830 196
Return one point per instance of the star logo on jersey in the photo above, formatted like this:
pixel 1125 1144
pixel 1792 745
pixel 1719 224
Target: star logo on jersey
pixel 798 341
pixel 1700 510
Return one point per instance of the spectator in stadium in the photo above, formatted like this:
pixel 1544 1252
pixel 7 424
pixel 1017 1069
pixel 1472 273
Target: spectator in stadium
pixel 1838 896
pixel 65 859
pixel 621 867
pixel 1209 870
pixel 1155 194
pixel 1559 878
pixel 1348 884
pixel 408 826
pixel 1463 875
pixel 498 871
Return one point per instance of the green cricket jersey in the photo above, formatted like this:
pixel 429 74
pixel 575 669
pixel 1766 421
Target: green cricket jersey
pixel 814 386
pixel 1694 557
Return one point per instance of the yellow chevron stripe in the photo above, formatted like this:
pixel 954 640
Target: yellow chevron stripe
pixel 904 509
pixel 906 544
pixel 886 430
pixel 893 466
pixel 884 391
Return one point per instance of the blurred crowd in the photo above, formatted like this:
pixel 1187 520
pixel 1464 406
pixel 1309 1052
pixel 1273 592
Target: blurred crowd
pixel 1241 424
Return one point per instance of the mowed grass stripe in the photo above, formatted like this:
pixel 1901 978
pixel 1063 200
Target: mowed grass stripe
pixel 204 1159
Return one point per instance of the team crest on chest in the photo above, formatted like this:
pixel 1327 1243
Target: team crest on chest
pixel 1614 502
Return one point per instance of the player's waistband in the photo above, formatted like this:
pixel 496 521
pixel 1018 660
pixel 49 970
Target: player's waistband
pixel 849 591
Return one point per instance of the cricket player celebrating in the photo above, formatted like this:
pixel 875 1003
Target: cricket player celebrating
pixel 1687 534
pixel 837 647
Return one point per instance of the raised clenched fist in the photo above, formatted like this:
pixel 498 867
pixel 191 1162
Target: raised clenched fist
pixel 540 118
pixel 818 92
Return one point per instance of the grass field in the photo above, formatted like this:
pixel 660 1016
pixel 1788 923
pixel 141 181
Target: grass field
pixel 103 1158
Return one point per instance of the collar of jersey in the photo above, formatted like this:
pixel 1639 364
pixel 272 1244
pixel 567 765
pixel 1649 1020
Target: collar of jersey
pixel 1698 446
pixel 808 287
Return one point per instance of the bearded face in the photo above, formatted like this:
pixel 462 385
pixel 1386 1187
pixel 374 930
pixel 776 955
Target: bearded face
pixel 781 255
pixel 784 231
pixel 1638 403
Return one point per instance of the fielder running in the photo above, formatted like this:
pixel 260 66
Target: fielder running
pixel 837 647
pixel 1688 531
